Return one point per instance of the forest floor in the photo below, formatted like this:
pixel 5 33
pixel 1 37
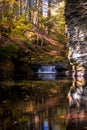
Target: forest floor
pixel 38 48
pixel 46 49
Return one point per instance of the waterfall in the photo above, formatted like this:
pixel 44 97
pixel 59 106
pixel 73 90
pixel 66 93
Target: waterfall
pixel 47 69
pixel 47 72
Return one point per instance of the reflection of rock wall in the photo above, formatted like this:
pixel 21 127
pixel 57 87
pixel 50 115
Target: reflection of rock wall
pixel 76 20
pixel 77 95
pixel 76 113
pixel 76 120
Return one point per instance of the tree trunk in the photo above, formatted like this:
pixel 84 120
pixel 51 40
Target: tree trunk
pixel 49 14
pixel 39 7
pixel 2 10
pixel 29 14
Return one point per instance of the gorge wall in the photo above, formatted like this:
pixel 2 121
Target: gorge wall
pixel 76 24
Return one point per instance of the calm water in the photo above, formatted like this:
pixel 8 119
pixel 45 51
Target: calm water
pixel 42 105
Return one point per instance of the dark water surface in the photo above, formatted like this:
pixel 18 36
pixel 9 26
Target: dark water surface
pixel 40 105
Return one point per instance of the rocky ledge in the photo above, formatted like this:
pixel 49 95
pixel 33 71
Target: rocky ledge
pixel 76 30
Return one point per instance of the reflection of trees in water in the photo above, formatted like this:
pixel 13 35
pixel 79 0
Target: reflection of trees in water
pixel 31 107
pixel 77 96
pixel 38 118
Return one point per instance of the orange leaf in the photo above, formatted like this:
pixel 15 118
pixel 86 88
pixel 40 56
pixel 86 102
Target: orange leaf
pixel 62 117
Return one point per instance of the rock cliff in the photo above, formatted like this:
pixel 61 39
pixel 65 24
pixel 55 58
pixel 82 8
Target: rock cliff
pixel 76 27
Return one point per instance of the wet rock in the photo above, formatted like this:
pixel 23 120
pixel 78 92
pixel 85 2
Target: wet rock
pixel 63 68
pixel 76 28
pixel 62 65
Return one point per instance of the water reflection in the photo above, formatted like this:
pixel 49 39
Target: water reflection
pixel 47 76
pixel 42 105
pixel 77 111
pixel 37 105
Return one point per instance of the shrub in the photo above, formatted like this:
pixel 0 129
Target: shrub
pixel 9 51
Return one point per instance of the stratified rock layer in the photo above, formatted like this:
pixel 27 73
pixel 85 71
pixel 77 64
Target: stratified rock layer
pixel 76 22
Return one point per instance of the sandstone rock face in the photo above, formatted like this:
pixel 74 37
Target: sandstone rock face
pixel 76 22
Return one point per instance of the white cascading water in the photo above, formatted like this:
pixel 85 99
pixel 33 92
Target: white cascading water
pixel 47 69
pixel 47 72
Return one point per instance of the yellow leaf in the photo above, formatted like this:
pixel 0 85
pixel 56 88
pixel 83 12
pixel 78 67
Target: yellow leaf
pixel 62 117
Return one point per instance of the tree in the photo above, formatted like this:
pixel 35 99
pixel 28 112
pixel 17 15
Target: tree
pixel 49 15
